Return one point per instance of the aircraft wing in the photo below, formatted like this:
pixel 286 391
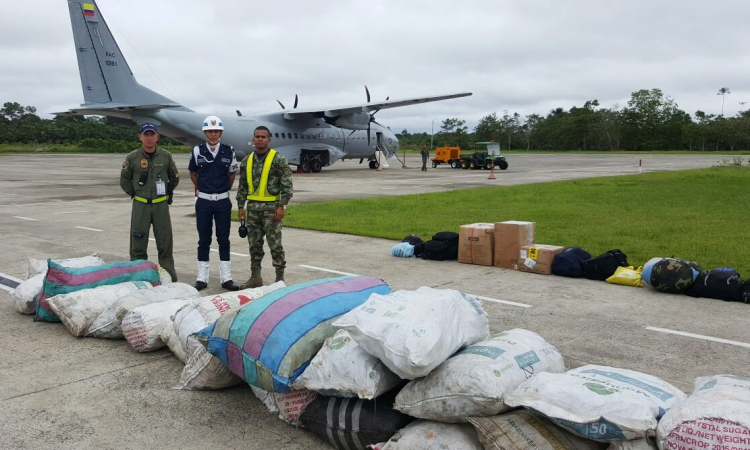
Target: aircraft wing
pixel 366 107
pixel 104 110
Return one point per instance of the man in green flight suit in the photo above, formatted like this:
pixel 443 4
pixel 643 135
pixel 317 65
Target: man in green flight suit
pixel 149 176
pixel 266 187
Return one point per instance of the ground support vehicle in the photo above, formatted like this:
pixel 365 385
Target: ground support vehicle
pixel 482 160
pixel 447 155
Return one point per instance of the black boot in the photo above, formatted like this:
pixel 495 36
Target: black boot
pixel 230 286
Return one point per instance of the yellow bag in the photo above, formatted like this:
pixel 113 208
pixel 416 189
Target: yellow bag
pixel 627 276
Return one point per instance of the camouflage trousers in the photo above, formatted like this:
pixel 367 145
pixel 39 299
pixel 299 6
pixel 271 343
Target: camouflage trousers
pixel 261 224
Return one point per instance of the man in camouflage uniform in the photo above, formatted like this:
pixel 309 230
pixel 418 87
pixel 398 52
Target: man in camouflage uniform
pixel 266 187
pixel 149 176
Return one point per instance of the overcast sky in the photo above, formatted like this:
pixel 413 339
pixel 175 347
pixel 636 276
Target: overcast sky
pixel 216 56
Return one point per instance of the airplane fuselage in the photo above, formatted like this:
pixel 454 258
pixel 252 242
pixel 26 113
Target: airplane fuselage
pixel 292 138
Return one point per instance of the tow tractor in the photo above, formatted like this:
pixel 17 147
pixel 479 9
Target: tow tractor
pixel 485 160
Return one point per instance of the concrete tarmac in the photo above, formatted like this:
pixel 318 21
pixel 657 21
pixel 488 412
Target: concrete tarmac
pixel 62 392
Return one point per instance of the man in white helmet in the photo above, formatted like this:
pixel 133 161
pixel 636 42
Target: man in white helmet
pixel 212 169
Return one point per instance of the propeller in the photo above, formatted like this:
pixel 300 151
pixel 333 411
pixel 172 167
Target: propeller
pixel 296 101
pixel 372 116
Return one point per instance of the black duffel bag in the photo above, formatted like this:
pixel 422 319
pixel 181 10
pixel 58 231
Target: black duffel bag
pixel 442 247
pixel 604 266
pixel 568 263
pixel 721 284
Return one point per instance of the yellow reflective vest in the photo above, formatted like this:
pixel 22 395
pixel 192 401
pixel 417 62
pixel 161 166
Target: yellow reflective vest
pixel 261 194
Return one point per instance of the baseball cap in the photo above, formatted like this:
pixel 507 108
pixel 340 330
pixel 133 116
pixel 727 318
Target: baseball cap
pixel 148 127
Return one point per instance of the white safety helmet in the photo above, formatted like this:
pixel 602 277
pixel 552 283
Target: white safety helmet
pixel 213 123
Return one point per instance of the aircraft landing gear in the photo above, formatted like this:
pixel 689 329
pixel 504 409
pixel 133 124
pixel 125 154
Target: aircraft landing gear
pixel 316 166
pixel 305 166
pixel 374 164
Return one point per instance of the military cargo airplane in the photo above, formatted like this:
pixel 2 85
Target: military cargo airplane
pixel 309 138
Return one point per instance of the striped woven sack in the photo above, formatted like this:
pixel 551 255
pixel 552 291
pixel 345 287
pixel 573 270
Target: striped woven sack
pixel 270 341
pixel 64 280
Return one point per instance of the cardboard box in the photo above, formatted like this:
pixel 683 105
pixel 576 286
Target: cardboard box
pixel 476 243
pixel 537 258
pixel 510 236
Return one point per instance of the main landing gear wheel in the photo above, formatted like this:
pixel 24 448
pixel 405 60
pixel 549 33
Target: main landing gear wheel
pixel 316 167
pixel 305 166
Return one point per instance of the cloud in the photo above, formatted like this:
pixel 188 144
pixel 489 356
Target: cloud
pixel 525 57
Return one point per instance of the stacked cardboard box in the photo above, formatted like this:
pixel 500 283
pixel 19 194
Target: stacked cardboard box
pixel 476 244
pixel 537 258
pixel 510 236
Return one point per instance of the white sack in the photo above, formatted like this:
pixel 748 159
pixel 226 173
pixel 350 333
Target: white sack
pixel 525 430
pixel 715 416
pixel 24 296
pixel 428 435
pixel 37 266
pixel 107 325
pixel 342 368
pixel 202 370
pixel 78 310
pixel 474 381
pixel 598 402
pixel 164 276
pixel 288 406
pixel 143 325
pixel 413 332
pixel 636 444
pixel 170 339
pixel 25 293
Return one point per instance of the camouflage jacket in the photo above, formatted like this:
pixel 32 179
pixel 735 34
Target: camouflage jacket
pixel 159 166
pixel 279 183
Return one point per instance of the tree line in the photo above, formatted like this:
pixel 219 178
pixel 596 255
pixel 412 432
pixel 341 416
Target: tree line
pixel 650 121
pixel 21 125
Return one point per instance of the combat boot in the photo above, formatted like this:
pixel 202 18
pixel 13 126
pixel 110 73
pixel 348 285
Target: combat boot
pixel 279 275
pixel 255 279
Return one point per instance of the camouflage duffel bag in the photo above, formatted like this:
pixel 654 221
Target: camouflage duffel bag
pixel 673 275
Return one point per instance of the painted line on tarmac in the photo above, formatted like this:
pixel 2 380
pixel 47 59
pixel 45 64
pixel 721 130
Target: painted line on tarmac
pixel 90 229
pixel 25 218
pixel 699 336
pixel 72 212
pixel 232 253
pixel 504 302
pixel 328 270
pixel 8 283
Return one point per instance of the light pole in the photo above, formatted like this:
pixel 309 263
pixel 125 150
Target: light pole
pixel 432 133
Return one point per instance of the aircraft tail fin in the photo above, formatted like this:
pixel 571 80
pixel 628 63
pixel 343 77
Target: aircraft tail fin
pixel 106 78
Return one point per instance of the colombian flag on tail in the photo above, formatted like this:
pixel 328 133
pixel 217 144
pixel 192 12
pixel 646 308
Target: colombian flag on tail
pixel 88 9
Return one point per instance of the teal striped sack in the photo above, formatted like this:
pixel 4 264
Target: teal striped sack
pixel 64 280
pixel 270 341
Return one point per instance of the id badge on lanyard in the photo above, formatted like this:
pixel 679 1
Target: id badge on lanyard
pixel 161 188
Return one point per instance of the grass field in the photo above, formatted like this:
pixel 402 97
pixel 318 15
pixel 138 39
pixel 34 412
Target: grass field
pixel 702 215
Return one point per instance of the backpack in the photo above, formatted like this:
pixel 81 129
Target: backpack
pixel 416 241
pixel 568 262
pixel 443 246
pixel 721 284
pixel 674 275
pixel 603 266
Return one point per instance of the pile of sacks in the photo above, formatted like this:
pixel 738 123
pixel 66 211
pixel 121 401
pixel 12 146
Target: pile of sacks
pixel 362 365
